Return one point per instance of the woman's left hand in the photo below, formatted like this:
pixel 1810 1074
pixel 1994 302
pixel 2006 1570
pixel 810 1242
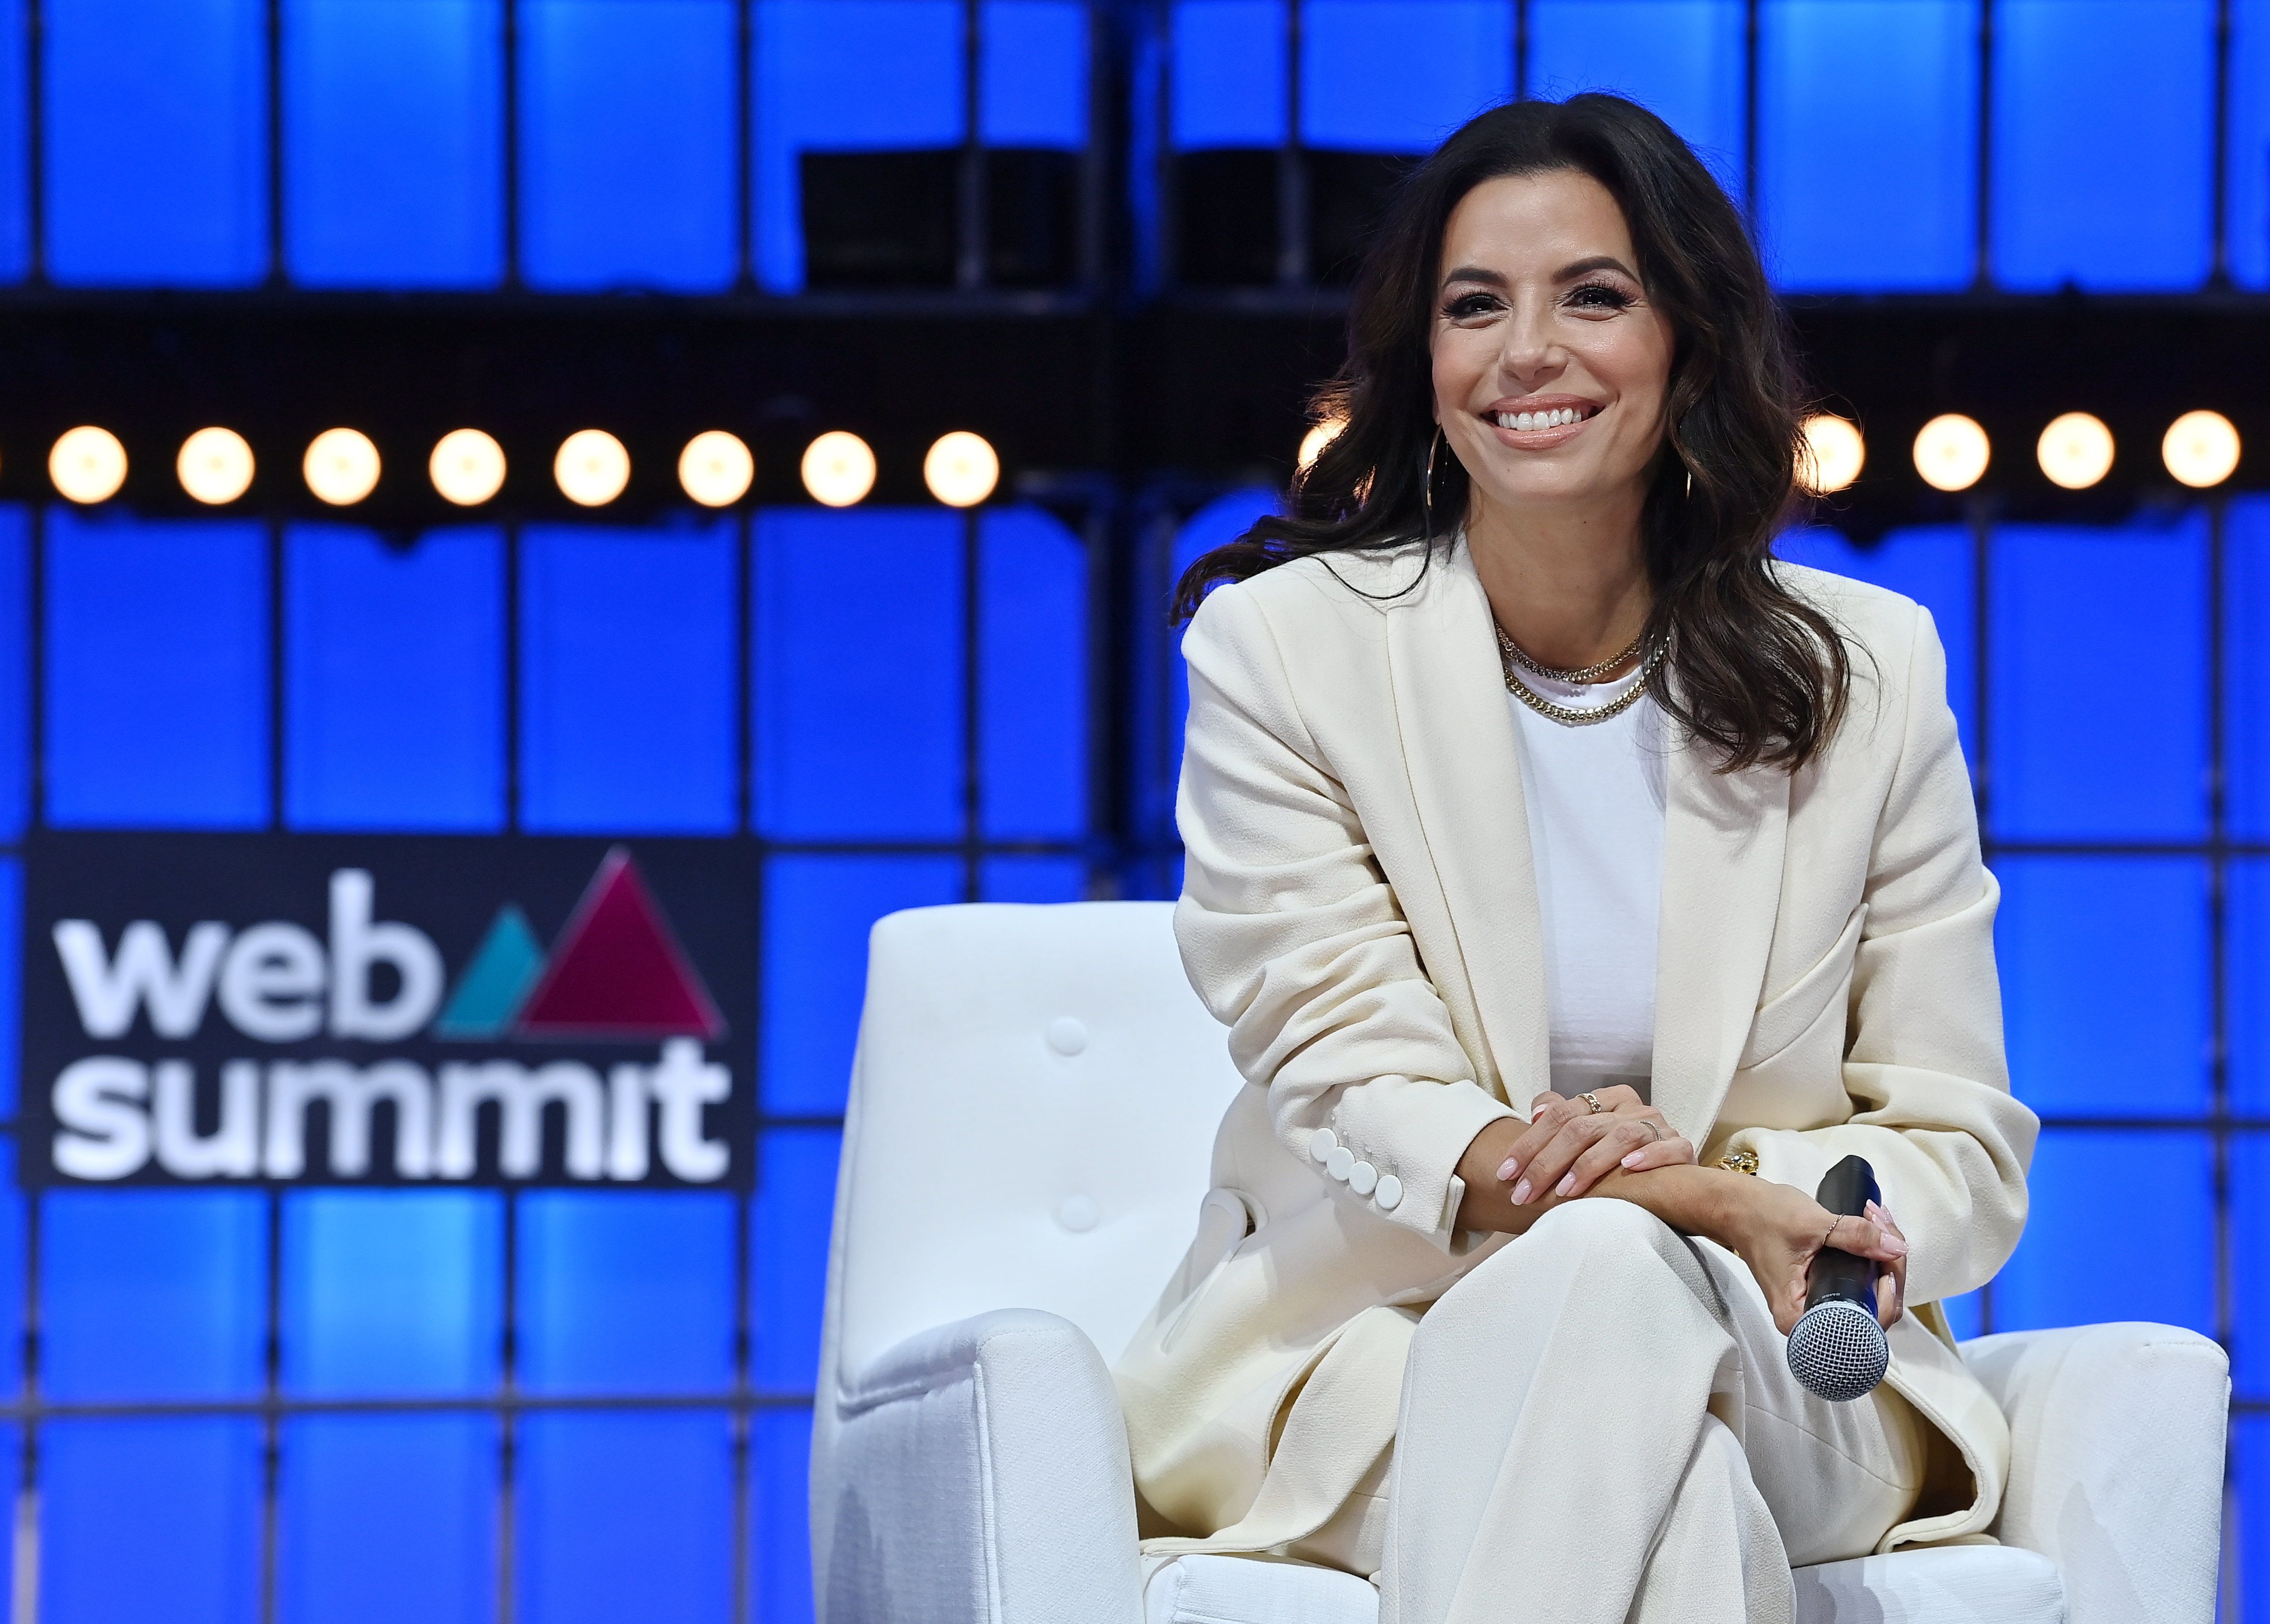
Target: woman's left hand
pixel 1779 1230
pixel 1569 1146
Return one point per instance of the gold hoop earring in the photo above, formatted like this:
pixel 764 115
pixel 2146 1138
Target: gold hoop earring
pixel 1427 490
pixel 1690 484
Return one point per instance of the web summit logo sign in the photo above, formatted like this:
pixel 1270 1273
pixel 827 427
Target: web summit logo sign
pixel 283 1008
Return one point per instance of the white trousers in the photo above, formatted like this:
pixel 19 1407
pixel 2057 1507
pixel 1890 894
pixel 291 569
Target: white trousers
pixel 1599 1426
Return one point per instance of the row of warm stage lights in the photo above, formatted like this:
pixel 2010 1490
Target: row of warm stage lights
pixel 88 464
pixel 2200 449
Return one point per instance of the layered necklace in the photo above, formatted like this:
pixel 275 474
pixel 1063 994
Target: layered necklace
pixel 1510 656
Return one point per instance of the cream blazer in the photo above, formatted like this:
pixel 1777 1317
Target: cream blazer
pixel 1361 911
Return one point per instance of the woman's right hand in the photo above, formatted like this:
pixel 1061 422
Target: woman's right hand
pixel 1569 1146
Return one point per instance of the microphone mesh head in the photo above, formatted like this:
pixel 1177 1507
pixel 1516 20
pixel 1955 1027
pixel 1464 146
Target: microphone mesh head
pixel 1839 1350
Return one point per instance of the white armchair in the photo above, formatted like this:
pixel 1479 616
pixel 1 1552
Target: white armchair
pixel 1027 1150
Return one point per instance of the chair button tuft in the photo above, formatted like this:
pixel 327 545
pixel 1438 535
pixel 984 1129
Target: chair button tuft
pixel 1322 1143
pixel 1077 1213
pixel 1066 1036
pixel 1363 1178
pixel 1390 1193
pixel 1338 1163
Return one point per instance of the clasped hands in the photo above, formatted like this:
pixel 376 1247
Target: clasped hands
pixel 1516 1170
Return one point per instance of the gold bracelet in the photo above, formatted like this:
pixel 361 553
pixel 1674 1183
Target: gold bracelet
pixel 1741 1161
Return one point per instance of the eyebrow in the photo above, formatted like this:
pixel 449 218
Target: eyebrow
pixel 1567 273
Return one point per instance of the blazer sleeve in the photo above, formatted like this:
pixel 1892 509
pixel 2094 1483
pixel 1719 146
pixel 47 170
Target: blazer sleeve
pixel 1293 937
pixel 1924 1062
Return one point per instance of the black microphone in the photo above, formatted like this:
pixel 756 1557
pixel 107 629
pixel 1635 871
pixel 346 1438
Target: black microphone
pixel 1837 1349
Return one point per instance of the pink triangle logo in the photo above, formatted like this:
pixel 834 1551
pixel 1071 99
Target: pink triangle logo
pixel 617 971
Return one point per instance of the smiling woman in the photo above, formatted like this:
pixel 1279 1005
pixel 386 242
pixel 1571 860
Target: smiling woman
pixel 1568 938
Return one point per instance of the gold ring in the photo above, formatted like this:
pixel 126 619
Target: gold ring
pixel 1593 1100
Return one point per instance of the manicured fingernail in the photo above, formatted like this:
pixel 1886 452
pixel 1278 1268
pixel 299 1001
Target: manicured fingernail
pixel 1521 1192
pixel 1635 1159
pixel 1893 1244
pixel 1512 1166
pixel 1565 1186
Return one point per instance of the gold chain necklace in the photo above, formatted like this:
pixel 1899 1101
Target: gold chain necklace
pixel 1512 651
pixel 1570 715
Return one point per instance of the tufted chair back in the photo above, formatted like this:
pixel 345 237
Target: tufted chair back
pixel 1031 1114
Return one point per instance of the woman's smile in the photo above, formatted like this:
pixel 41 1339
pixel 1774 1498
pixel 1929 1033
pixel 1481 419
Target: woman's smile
pixel 1540 422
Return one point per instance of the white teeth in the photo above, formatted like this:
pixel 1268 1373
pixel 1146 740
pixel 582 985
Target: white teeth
pixel 1559 418
pixel 1524 420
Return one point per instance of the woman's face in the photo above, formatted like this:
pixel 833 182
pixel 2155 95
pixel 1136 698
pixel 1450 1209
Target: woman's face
pixel 1551 365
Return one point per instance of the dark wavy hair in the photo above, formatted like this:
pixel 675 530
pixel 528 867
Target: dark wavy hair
pixel 1751 668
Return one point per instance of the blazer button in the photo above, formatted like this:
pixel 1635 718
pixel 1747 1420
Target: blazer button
pixel 1363 1178
pixel 1389 1194
pixel 1339 1162
pixel 1066 1036
pixel 1322 1143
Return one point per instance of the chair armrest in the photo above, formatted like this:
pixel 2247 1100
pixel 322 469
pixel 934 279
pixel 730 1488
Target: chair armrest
pixel 2116 1435
pixel 979 1471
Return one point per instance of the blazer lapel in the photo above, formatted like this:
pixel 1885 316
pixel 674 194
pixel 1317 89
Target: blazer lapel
pixel 1724 835
pixel 1465 782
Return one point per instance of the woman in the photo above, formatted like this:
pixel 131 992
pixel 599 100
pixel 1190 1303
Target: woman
pixel 1541 830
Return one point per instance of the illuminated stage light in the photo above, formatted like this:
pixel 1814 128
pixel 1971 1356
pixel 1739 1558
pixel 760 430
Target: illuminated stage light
pixel 1833 454
pixel 215 466
pixel 1317 438
pixel 961 470
pixel 592 468
pixel 467 467
pixel 2201 448
pixel 2075 450
pixel 87 464
pixel 716 469
pixel 341 466
pixel 839 470
pixel 1952 452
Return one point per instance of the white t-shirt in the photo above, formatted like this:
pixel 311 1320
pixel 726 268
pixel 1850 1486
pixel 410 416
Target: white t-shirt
pixel 1595 797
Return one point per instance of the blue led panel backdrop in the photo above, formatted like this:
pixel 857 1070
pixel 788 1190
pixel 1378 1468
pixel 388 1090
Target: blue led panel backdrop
pixel 383 1518
pixel 854 74
pixel 2247 191
pixel 1032 688
pixel 1033 73
pixel 1931 564
pixel 858 691
pixel 1227 79
pixel 2103 144
pixel 15 671
pixel 15 145
pixel 12 1016
pixel 2249 986
pixel 2250 1219
pixel 2086 1259
pixel 182 1496
pixel 394 680
pixel 152 1294
pixel 1032 880
pixel 629 145
pixel 2106 1001
pixel 156 673
pixel 629 721
pixel 817 911
pixel 157 141
pixel 625 1292
pixel 392 1292
pixel 393 143
pixel 2250 1478
pixel 2246 644
pixel 1397 76
pixel 780 1535
pixel 1682 58
pixel 2125 765
pixel 788 1246
pixel 1868 143
pixel 624 1517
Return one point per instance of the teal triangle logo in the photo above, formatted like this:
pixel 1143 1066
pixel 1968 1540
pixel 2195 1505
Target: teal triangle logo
pixel 505 966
